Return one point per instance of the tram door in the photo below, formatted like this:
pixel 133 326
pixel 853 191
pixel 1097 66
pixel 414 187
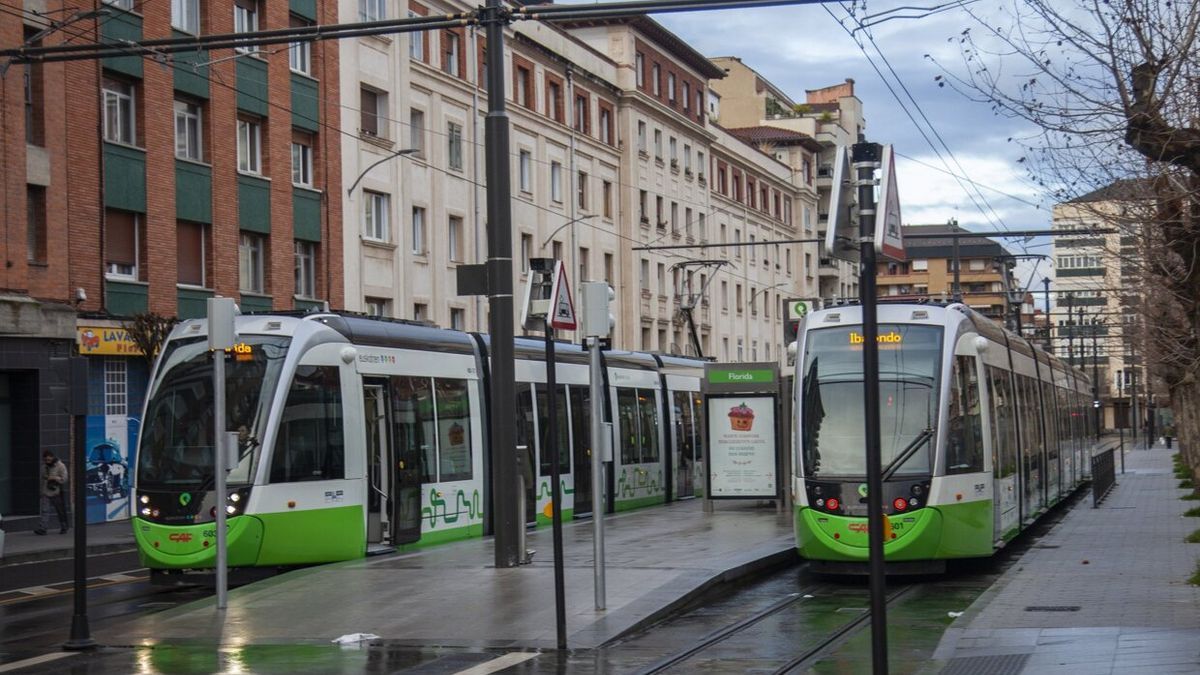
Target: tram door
pixel 526 452
pixel 581 433
pixel 684 450
pixel 378 462
pixel 411 402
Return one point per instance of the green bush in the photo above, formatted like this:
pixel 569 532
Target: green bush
pixel 1195 578
pixel 1192 513
pixel 1186 484
pixel 1193 538
pixel 1191 497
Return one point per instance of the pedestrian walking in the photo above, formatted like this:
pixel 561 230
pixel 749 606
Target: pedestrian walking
pixel 54 480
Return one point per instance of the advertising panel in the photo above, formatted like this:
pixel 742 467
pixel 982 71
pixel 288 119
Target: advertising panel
pixel 741 441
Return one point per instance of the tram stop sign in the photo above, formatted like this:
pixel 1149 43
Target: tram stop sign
pixel 562 308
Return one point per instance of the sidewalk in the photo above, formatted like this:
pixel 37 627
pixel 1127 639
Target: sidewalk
pixel 1105 591
pixel 26 547
pixel 657 559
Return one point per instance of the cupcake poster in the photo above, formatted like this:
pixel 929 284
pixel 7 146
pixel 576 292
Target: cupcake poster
pixel 743 446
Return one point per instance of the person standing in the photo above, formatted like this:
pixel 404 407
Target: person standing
pixel 54 480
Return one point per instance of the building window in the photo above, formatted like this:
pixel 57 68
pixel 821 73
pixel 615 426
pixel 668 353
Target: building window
pixel 245 20
pixel 375 215
pixel 581 114
pixel 605 126
pixel 372 107
pixel 450 53
pixel 526 251
pixel 302 163
pixel 608 267
pixel 554 101
pixel 250 263
pixel 606 196
pixel 639 69
pixel 641 136
pixel 185 15
pixel 187 131
pixel 920 265
pixel 249 147
pixel 642 205
pixel 700 164
pixel 458 318
pixel 523 89
pixel 454 141
pixel 372 10
pixel 34 90
pixel 658 144
pixel 556 250
pixel 418 231
pixel 454 237
pixel 416 130
pixel 687 95
pixel 116 386
pixel 119 112
pixel 671 88
pixel 581 191
pixel 526 171
pixel 306 269
pixel 35 223
pixel 687 158
pixel 191 254
pixel 659 215
pixel 725 296
pixel 645 276
pixel 416 41
pixel 556 181
pixel 656 79
pixel 701 229
pixel 420 311
pixel 583 265
pixel 300 53
pixel 377 307
pixel 122 244
pixel 673 150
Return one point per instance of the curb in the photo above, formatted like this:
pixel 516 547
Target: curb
pixel 63 554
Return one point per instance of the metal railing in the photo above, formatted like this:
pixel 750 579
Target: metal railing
pixel 1104 475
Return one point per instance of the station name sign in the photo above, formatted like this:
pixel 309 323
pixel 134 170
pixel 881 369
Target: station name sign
pixel 741 376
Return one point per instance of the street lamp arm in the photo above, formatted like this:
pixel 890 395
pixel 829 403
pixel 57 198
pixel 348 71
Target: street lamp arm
pixel 404 151
pixel 759 291
pixel 560 228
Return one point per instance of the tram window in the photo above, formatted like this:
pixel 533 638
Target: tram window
pixel 628 421
pixel 964 441
pixel 454 429
pixel 412 422
pixel 1048 407
pixel 564 443
pixel 685 429
pixel 649 425
pixel 1005 429
pixel 310 444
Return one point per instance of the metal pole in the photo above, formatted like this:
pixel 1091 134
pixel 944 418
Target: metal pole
pixel 1121 432
pixel 956 291
pixel 1070 332
pixel 219 473
pixel 560 600
pixel 866 159
pixel 81 637
pixel 597 405
pixel 1133 399
pixel 476 184
pixel 1049 323
pixel 1096 378
pixel 500 300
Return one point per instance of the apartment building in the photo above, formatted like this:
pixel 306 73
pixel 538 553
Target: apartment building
pixel 832 116
pixel 1096 291
pixel 413 154
pixel 137 185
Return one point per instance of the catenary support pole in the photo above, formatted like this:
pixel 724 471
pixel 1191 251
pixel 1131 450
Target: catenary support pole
pixel 596 393
pixel 956 290
pixel 81 636
pixel 1049 323
pixel 500 298
pixel 1070 331
pixel 866 159
pixel 552 443
pixel 219 474
pixel 1096 408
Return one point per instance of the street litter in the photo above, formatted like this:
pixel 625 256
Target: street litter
pixel 954 615
pixel 355 638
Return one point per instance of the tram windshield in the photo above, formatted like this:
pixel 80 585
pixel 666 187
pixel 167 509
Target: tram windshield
pixel 833 440
pixel 176 449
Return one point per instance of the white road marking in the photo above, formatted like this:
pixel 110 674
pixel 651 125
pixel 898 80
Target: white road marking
pixel 37 660
pixel 497 664
pixel 37 590
pixel 119 577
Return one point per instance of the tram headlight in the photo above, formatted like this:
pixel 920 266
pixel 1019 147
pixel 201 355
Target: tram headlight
pixel 916 490
pixel 820 502
pixel 231 509
pixel 145 499
pixel 145 510
pixel 235 498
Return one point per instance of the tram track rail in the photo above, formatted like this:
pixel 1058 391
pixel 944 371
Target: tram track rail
pixel 822 647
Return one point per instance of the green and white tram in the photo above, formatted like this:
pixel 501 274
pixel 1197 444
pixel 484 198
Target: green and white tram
pixel 357 433
pixel 981 432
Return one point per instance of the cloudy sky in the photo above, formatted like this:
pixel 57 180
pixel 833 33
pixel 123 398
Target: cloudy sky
pixel 803 47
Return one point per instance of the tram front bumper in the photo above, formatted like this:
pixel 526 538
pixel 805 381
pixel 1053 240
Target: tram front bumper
pixel 823 536
pixel 195 546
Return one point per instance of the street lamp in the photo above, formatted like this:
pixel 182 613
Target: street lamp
pixel 404 151
pixel 754 295
pixel 560 229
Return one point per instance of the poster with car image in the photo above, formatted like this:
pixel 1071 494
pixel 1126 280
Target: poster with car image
pixel 741 441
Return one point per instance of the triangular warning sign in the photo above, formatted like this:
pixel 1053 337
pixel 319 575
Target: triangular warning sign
pixel 562 309
pixel 889 235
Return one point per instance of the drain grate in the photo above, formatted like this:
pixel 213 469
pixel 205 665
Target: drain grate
pixel 1053 608
pixel 1006 664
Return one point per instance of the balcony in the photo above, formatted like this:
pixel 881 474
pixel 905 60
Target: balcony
pixel 829 268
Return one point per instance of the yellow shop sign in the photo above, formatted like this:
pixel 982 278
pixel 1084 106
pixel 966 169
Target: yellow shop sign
pixel 105 341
